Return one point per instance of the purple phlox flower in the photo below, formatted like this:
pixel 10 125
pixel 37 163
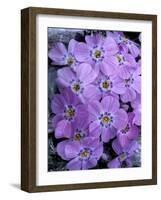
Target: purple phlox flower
pixel 125 44
pixel 99 51
pixel 79 132
pixel 125 155
pixel 136 104
pixel 125 62
pixel 68 109
pixel 128 133
pixel 128 88
pixel 104 86
pixel 80 81
pixel 82 154
pixel 79 129
pixel 106 117
pixel 60 55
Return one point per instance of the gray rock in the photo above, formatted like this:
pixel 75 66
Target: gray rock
pixel 62 35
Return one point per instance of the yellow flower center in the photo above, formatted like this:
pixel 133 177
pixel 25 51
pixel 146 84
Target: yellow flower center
pixel 77 136
pixel 119 58
pixel 97 54
pixel 127 80
pixel 84 153
pixel 105 84
pixel 69 113
pixel 70 61
pixel 76 87
pixel 122 157
pixel 125 130
pixel 105 120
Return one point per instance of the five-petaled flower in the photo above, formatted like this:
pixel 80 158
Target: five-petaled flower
pixel 99 52
pixel 81 155
pixel 106 117
pixel 68 109
pixel 128 88
pixel 80 81
pixel 124 155
pixel 125 44
pixel 61 56
pixel 129 132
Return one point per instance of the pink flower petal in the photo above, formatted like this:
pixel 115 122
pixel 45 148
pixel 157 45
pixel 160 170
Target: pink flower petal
pixel 95 108
pixel 74 164
pixel 124 72
pixel 82 53
pixel 92 162
pixel 120 119
pixel 106 135
pixel 91 92
pixel 72 45
pixel 110 46
pixel 57 104
pixel 66 74
pixel 129 95
pixel 63 129
pixel 97 153
pixel 110 104
pixel 115 163
pixel 85 73
pixel 135 51
pixel 61 149
pixel 108 67
pixel 123 140
pixel 137 117
pixel 131 60
pixel 94 129
pixel 133 132
pixel 94 40
pixel 91 142
pixel 72 149
pixel 56 119
pixel 137 85
pixel 117 147
pixel 118 85
pixel 57 53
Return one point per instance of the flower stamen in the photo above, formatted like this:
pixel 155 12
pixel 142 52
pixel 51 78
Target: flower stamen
pixel 105 84
pixel 70 61
pixel 76 87
pixel 77 136
pixel 97 54
pixel 84 153
pixel 105 120
pixel 120 59
pixel 125 130
pixel 69 113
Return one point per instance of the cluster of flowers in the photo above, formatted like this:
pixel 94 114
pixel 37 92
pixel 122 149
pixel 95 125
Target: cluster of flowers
pixel 99 80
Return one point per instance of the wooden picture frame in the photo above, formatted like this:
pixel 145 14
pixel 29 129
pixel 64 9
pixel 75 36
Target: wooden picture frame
pixel 28 98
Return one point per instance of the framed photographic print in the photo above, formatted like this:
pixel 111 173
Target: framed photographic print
pixel 89 99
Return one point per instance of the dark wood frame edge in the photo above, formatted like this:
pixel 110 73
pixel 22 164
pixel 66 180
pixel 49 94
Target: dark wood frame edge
pixel 28 99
